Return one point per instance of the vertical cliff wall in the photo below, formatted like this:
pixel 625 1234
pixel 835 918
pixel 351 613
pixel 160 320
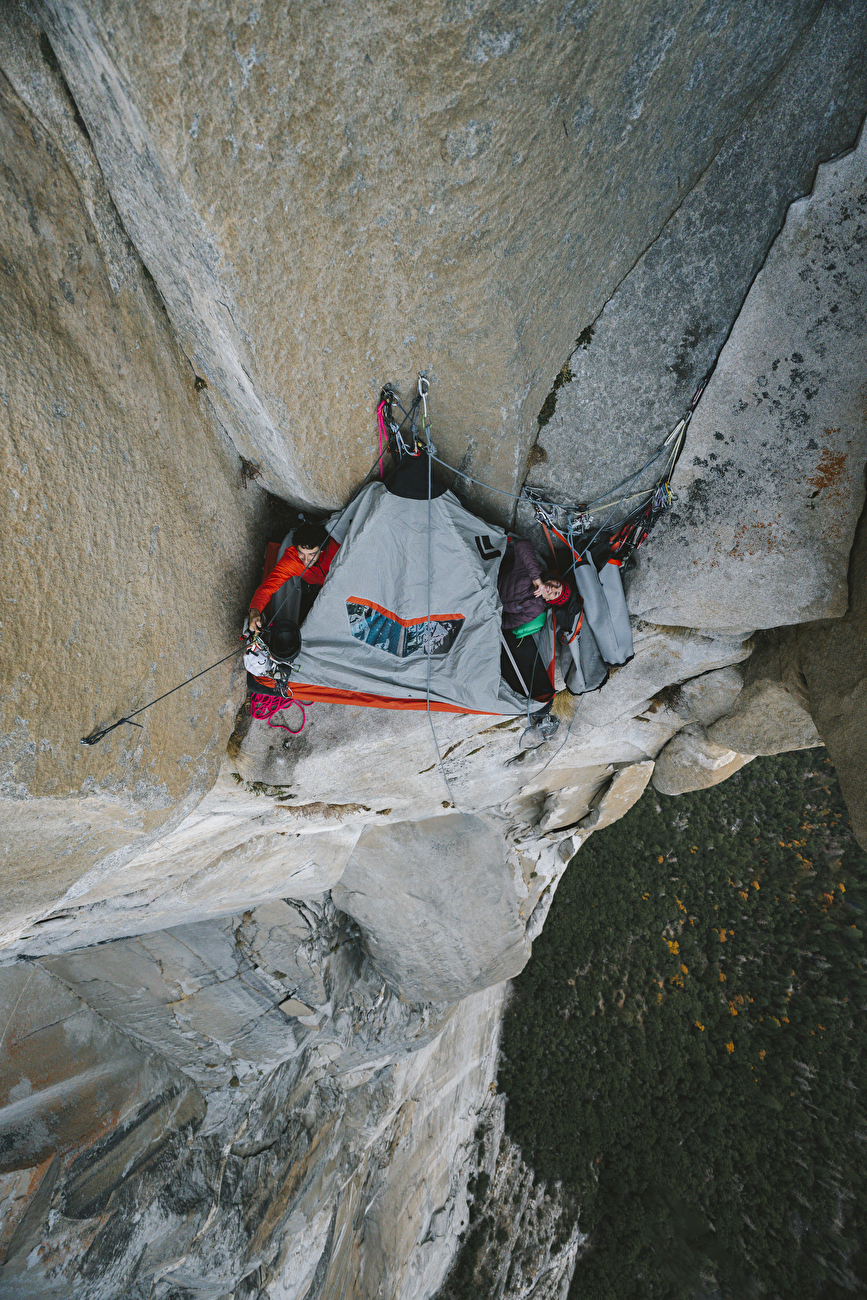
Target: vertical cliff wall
pixel 324 204
pixel 222 230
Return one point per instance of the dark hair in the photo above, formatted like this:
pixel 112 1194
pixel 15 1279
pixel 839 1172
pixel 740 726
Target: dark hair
pixel 551 575
pixel 309 535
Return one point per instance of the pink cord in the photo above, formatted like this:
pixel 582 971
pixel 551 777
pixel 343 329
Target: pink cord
pixel 383 433
pixel 263 708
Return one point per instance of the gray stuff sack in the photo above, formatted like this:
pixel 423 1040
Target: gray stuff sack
pixel 605 611
pixel 581 663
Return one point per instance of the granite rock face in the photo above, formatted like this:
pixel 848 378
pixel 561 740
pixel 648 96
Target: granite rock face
pixel 637 367
pixel 663 656
pixel 691 761
pixel 121 576
pixel 294 184
pixel 771 480
pixel 766 720
pixel 761 707
pixel 137 1183
pixel 222 231
pixel 413 886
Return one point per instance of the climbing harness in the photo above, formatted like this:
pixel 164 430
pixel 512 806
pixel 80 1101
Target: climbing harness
pixel 260 661
pixel 96 736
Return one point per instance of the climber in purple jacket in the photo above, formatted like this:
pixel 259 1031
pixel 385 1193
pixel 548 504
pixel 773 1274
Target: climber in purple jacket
pixel 523 588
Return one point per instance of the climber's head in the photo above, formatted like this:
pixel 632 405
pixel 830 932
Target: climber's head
pixel 552 585
pixel 308 539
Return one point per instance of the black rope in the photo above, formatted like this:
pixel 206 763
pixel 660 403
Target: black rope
pixel 96 736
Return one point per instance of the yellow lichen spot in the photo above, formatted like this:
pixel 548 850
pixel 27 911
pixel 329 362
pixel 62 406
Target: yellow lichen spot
pixel 762 1054
pixel 673 945
pixel 645 897
pixel 721 976
pixel 755 884
pixel 722 936
pixel 699 1025
pixel 743 893
pixel 660 858
pixel 842 888
pixel 685 969
pixel 679 903
pixel 730 1047
pixel 733 1009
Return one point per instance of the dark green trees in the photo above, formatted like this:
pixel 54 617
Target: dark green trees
pixel 686 1048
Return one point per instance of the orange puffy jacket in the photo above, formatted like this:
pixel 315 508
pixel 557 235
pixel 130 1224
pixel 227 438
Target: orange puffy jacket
pixel 291 566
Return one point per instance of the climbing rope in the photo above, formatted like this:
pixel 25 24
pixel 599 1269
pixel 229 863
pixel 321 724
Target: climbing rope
pixel 423 390
pixel 579 515
pixel 264 707
pixel 96 736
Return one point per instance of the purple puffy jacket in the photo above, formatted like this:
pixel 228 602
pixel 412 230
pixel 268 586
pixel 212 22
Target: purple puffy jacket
pixel 516 586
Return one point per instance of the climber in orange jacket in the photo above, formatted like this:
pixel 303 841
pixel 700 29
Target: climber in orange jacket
pixel 308 558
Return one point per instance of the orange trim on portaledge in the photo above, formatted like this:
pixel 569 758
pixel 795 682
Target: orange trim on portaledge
pixel 364 603
pixel 332 695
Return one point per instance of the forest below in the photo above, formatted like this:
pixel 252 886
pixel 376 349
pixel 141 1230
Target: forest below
pixel 684 1052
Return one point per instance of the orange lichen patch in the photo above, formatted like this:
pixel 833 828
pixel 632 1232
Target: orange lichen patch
pixel 762 537
pixel 830 478
pixel 730 1047
pixel 830 469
